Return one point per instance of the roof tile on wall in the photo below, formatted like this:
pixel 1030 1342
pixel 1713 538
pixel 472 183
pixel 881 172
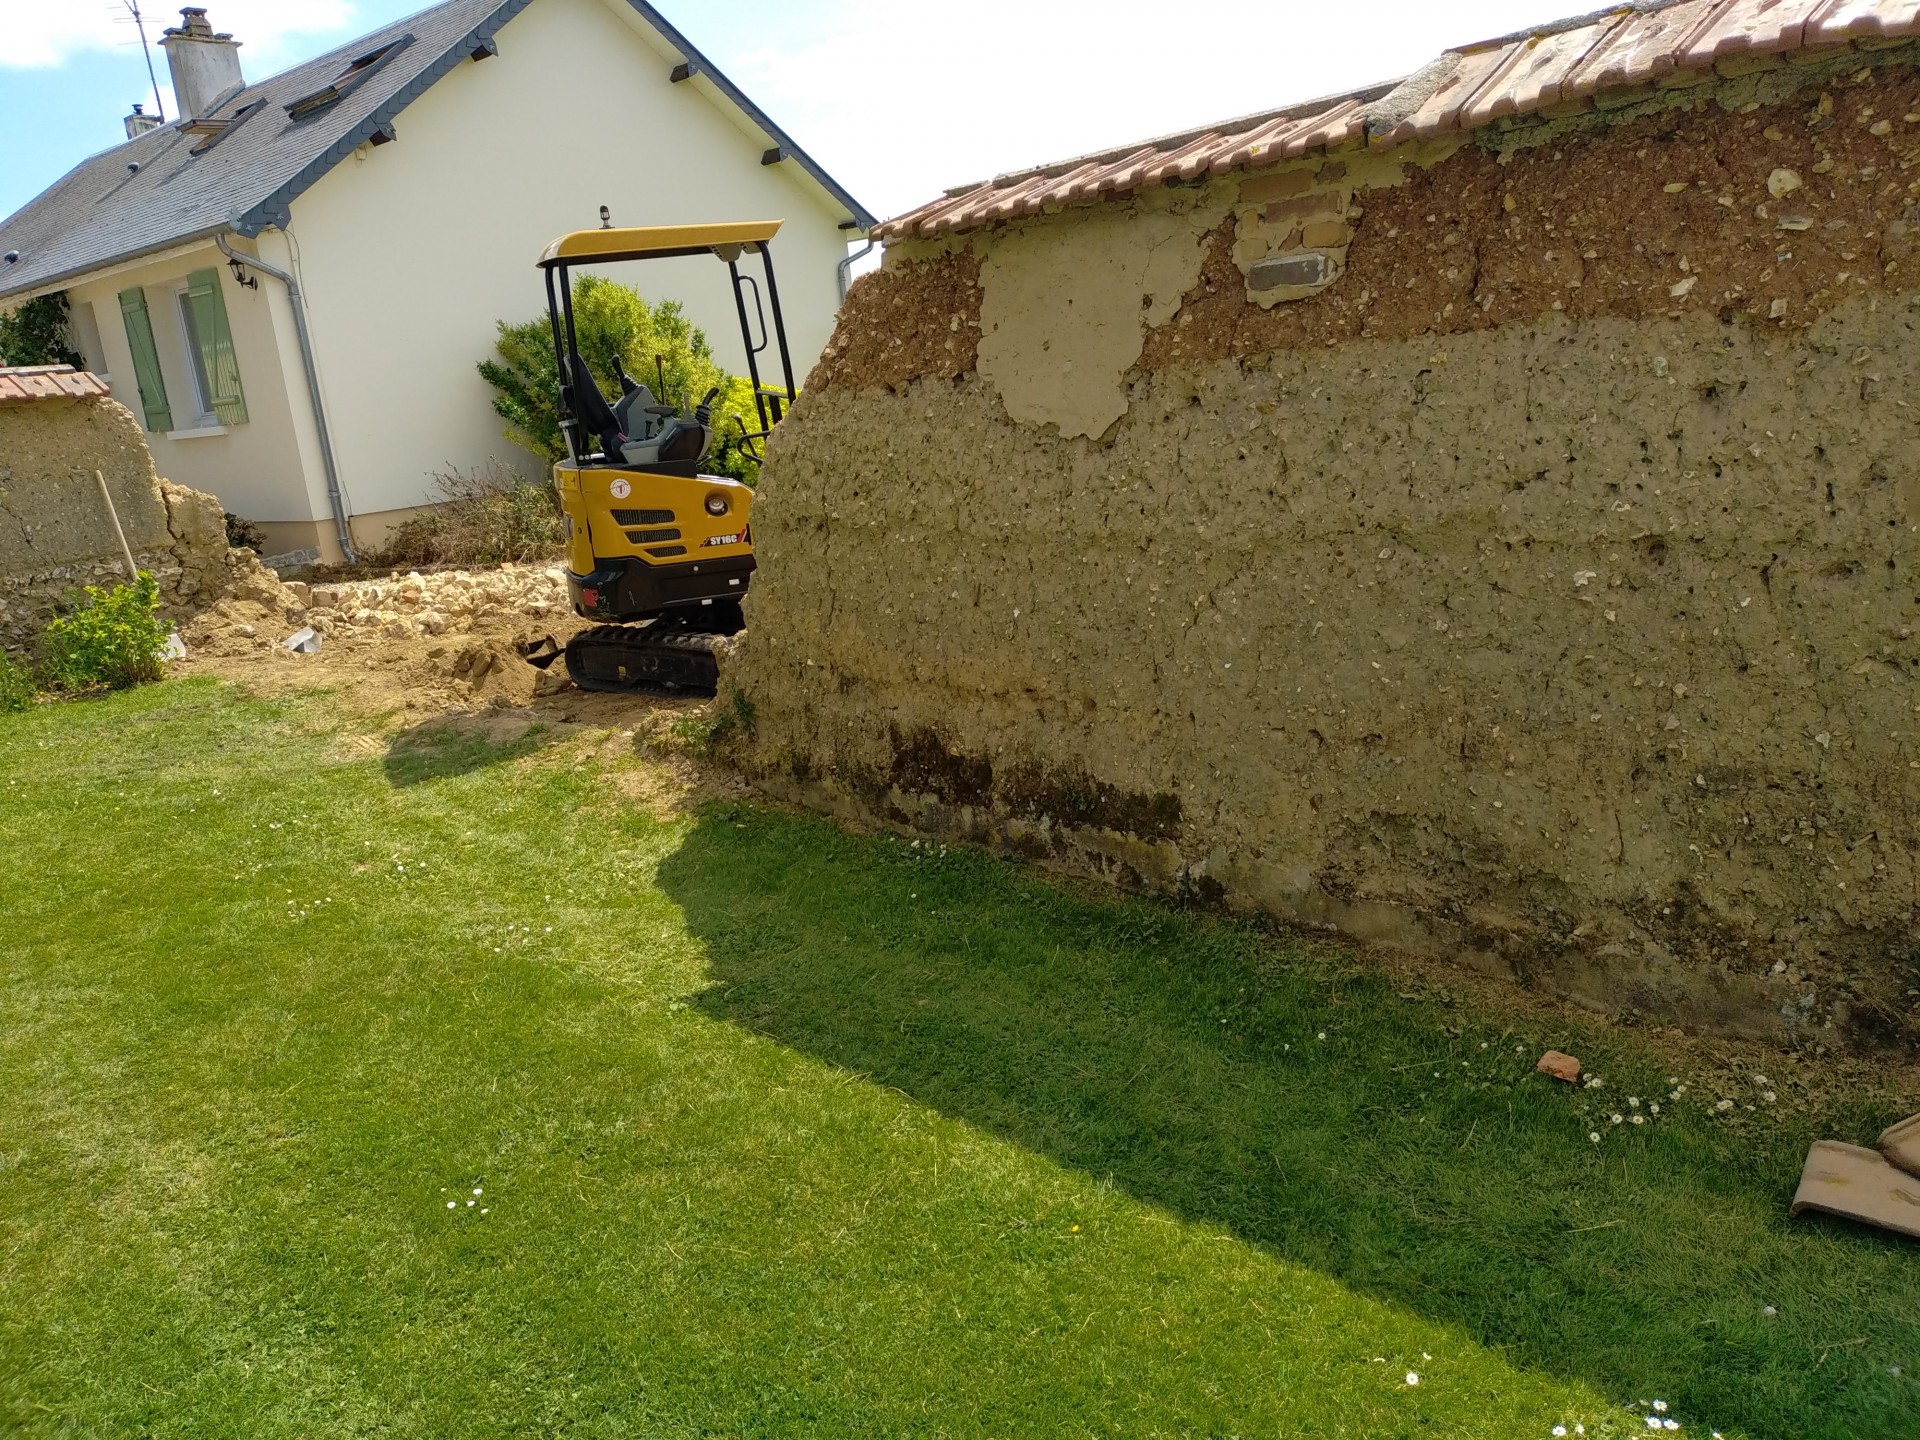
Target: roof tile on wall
pixel 1862 20
pixel 1750 27
pixel 1634 44
pixel 1639 50
pixel 48 382
pixel 1537 76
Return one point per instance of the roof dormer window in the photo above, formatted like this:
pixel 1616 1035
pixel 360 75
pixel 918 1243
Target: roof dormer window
pixel 347 81
pixel 212 132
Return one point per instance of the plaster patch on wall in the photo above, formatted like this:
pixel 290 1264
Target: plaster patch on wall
pixel 1067 303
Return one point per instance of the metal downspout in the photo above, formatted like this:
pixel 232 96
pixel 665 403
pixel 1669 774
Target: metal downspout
pixel 335 496
pixel 846 268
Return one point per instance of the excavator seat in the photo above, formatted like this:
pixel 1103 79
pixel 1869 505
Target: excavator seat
pixel 636 430
pixel 630 412
pixel 679 441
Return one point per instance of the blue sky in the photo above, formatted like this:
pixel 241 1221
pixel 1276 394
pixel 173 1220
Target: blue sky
pixel 897 98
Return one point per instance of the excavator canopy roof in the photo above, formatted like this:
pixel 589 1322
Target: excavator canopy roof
pixel 608 246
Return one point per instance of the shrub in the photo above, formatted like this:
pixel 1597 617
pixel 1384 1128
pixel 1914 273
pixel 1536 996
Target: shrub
pixel 656 344
pixel 36 334
pixel 245 535
pixel 17 687
pixel 495 518
pixel 114 638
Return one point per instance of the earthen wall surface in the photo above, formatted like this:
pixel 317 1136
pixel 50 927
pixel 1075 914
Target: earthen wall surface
pixel 1537 588
pixel 55 533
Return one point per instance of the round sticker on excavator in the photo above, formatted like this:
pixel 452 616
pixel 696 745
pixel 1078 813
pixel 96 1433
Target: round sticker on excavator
pixel 621 489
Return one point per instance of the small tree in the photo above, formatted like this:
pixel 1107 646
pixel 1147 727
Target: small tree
pixel 36 334
pixel 655 343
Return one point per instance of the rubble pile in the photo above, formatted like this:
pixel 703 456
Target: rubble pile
pixel 260 609
pixel 455 602
pixel 420 639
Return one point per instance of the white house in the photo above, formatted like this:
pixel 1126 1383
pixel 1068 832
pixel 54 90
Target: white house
pixel 293 284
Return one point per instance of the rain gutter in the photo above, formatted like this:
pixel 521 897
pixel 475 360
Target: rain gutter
pixel 335 496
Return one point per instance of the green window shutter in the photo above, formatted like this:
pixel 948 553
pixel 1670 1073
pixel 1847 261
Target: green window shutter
pixel 214 342
pixel 146 360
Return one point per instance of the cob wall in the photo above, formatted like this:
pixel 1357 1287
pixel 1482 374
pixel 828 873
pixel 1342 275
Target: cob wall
pixel 1505 550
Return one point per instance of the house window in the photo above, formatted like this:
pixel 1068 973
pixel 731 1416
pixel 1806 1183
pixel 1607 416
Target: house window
pixel 213 370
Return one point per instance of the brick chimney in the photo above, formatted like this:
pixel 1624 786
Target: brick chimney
pixel 205 66
pixel 139 122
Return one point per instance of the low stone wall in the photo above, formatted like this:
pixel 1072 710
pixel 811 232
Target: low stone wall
pixel 55 533
pixel 1541 591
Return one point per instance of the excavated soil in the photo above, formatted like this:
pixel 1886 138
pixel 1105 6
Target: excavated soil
pixel 410 649
pixel 410 645
pixel 419 661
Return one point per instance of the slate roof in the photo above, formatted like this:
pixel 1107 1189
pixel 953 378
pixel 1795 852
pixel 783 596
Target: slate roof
pixel 1560 67
pixel 246 179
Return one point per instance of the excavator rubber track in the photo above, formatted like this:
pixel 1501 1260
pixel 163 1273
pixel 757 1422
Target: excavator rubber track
pixel 665 660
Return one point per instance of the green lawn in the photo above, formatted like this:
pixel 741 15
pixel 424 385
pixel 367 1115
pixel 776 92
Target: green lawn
pixel 772 1131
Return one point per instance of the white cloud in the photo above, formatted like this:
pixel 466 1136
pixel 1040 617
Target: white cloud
pixel 41 34
pixel 899 100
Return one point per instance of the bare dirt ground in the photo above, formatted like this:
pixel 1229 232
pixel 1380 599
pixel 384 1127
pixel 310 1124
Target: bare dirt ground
pixel 418 659
pixel 412 644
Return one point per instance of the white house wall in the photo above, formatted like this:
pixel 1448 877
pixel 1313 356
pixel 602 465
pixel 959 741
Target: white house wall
pixel 257 469
pixel 411 252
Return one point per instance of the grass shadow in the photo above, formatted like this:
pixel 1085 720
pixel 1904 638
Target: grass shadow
pixel 461 744
pixel 1293 1098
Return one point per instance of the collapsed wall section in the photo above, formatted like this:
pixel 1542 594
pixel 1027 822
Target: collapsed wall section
pixel 1530 578
pixel 55 532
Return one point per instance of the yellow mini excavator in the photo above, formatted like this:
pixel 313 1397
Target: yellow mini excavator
pixel 657 551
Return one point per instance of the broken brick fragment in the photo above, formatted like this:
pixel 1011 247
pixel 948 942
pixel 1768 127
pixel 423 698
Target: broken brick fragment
pixel 1559 1066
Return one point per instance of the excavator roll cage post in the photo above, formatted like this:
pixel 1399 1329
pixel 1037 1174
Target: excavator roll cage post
pixel 771 404
pixel 731 244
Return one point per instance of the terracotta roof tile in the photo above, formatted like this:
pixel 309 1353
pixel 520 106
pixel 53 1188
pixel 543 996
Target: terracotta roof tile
pixel 49 382
pixel 1639 50
pixel 1637 43
pixel 1535 75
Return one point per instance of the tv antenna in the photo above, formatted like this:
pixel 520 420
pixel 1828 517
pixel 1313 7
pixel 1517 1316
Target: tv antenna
pixel 146 51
